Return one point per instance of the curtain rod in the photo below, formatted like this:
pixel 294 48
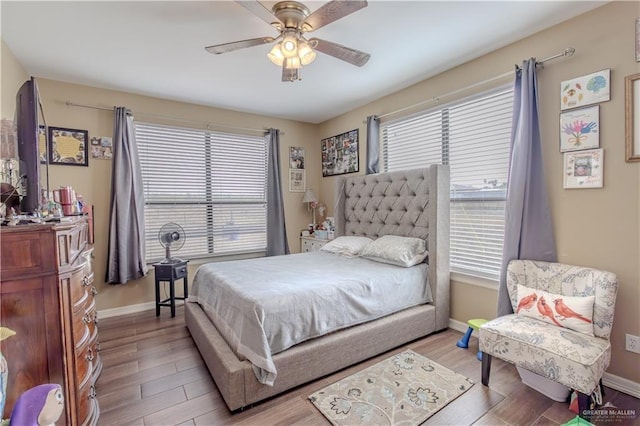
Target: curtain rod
pixel 184 120
pixel 567 52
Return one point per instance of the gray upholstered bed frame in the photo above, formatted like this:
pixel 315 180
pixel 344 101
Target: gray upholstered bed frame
pixel 409 203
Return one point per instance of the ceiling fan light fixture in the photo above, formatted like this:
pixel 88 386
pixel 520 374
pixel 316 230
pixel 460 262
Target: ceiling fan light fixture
pixel 305 53
pixel 292 63
pixel 276 55
pixel 289 45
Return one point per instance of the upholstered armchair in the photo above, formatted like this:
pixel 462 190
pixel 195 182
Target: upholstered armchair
pixel 560 327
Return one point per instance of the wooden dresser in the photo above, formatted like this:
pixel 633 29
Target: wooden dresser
pixel 47 298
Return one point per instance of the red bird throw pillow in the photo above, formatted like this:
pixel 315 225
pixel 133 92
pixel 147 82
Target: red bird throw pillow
pixel 575 313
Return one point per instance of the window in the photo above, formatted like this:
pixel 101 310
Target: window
pixel 473 137
pixel 212 184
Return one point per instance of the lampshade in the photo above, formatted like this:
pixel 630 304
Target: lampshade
pixel 276 55
pixel 309 197
pixel 305 53
pixel 289 46
pixel 292 63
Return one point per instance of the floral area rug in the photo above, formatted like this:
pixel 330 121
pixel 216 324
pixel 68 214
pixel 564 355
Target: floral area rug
pixel 405 389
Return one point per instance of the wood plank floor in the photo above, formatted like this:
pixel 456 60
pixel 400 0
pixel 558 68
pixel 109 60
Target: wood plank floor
pixel 154 375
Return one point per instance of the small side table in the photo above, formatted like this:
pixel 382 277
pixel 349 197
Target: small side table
pixel 171 272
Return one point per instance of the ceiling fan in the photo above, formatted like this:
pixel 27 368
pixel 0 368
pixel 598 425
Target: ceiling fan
pixel 294 20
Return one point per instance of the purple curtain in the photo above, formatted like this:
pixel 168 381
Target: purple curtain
pixel 528 230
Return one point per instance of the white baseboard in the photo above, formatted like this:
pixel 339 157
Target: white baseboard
pixel 621 384
pixel 610 380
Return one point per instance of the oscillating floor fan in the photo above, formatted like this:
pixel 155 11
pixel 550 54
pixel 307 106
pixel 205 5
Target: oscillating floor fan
pixel 171 237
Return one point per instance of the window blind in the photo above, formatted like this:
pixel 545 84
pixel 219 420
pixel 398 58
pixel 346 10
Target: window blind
pixel 473 138
pixel 212 184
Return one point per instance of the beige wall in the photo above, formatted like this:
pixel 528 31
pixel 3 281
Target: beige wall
pixel 593 227
pixel 12 77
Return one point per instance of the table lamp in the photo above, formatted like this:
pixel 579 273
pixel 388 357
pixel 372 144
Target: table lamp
pixel 312 202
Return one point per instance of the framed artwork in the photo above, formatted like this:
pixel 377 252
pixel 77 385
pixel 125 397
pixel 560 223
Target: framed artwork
pixel 101 148
pixel 340 154
pixel 583 169
pixel 586 90
pixel 637 39
pixel 632 117
pixel 296 157
pixel 42 144
pixel 579 129
pixel 297 180
pixel 68 146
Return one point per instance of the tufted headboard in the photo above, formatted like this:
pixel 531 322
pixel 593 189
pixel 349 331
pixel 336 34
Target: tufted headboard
pixel 410 203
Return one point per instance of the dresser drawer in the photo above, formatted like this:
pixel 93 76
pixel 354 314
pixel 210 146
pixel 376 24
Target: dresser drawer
pixel 90 318
pixel 86 404
pixel 84 365
pixel 80 285
pixel 71 242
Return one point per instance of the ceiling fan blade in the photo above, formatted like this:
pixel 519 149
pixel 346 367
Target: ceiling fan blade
pixel 353 56
pixel 330 12
pixel 261 12
pixel 235 45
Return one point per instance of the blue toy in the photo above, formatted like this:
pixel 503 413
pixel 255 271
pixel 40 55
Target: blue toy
pixel 474 324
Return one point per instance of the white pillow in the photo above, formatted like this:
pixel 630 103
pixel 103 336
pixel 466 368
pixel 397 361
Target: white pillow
pixel 396 250
pixel 575 313
pixel 349 246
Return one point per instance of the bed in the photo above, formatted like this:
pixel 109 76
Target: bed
pixel 413 203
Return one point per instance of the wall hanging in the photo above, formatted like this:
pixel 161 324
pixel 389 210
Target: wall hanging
pixel 340 154
pixel 586 90
pixel 68 146
pixel 580 129
pixel 583 169
pixel 632 117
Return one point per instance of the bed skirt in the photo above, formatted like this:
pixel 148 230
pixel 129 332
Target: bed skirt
pixel 306 361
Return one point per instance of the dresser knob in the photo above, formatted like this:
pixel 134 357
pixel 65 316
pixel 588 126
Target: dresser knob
pixel 89 356
pixel 95 318
pixel 86 319
pixel 92 394
pixel 94 290
pixel 85 281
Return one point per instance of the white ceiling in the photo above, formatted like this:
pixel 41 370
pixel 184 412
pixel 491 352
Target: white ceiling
pixel 157 48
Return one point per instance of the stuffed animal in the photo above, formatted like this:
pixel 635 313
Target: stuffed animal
pixel 41 405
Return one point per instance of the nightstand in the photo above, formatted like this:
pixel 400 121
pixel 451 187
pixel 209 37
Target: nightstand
pixel 308 244
pixel 171 272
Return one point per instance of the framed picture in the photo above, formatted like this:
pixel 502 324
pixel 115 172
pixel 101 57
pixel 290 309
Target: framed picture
pixel 632 117
pixel 296 157
pixel 637 39
pixel 586 90
pixel 340 154
pixel 42 144
pixel 579 129
pixel 68 146
pixel 583 169
pixel 101 148
pixel 297 180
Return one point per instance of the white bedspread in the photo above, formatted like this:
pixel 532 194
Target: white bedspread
pixel 266 305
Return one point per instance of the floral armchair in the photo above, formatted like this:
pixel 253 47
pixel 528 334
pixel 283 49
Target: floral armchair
pixel 560 327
